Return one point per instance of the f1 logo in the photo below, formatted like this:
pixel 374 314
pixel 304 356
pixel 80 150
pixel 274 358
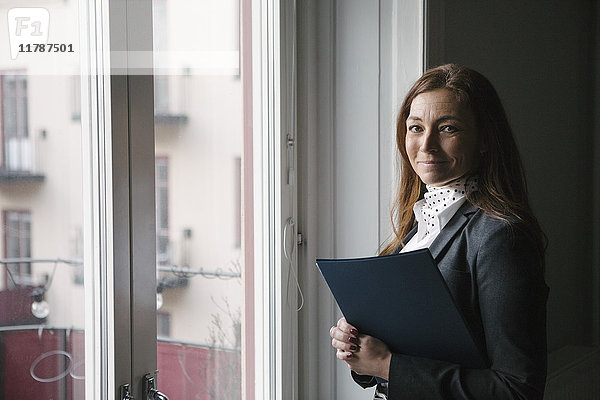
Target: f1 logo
pixel 27 26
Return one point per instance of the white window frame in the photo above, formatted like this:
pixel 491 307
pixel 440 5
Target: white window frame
pixel 276 333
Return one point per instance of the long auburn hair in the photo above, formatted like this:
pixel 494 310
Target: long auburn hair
pixel 502 190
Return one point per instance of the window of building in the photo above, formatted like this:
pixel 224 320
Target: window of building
pixel 163 324
pixel 162 211
pixel 17 239
pixel 16 145
pixel 237 181
pixel 161 82
pixel 75 84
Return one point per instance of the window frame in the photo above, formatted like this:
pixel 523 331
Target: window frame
pixel 119 198
pixel 276 318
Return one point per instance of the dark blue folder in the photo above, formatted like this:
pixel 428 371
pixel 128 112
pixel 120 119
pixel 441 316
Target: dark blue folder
pixel 403 300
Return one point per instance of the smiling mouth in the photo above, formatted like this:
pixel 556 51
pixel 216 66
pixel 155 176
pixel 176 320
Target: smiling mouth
pixel 432 162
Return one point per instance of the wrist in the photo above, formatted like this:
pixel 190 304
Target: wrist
pixel 385 366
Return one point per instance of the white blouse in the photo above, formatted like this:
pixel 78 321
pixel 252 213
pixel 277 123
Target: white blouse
pixel 437 208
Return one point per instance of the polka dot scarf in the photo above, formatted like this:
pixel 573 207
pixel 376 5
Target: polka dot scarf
pixel 440 204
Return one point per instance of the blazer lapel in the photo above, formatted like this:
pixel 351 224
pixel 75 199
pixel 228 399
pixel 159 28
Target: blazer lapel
pixel 453 226
pixel 412 233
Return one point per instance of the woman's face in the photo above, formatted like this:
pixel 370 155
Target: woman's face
pixel 442 141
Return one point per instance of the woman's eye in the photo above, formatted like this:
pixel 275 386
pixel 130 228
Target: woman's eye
pixel 414 128
pixel 448 129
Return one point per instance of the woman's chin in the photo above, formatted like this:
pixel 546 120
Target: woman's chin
pixel 437 181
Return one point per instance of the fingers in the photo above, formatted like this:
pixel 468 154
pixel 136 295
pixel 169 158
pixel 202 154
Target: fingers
pixel 344 332
pixel 344 346
pixel 343 325
pixel 344 355
pixel 344 339
pixel 341 336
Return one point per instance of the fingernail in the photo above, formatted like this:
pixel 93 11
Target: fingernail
pixel 353 331
pixel 352 339
pixel 353 347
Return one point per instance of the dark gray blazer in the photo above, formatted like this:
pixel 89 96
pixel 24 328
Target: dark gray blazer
pixel 496 277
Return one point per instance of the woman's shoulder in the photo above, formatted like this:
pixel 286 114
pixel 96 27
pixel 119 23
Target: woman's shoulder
pixel 482 223
pixel 486 227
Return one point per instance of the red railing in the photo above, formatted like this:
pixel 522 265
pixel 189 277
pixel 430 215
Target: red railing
pixel 15 306
pixel 198 372
pixel 40 364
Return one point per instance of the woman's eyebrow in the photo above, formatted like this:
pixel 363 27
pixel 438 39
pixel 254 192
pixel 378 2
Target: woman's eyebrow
pixel 440 119
pixel 448 117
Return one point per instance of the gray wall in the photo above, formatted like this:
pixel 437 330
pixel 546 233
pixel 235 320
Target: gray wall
pixel 540 57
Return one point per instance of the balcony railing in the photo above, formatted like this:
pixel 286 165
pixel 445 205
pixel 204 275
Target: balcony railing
pixel 41 362
pixel 19 163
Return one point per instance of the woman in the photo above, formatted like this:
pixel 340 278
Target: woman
pixel 463 195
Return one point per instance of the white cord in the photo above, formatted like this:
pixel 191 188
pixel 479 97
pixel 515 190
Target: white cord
pixel 288 256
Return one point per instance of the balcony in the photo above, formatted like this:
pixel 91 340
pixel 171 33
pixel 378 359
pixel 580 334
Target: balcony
pixel 166 118
pixel 170 94
pixel 169 100
pixel 19 162
pixel 7 176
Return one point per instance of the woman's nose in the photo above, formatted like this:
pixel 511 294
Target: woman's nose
pixel 430 142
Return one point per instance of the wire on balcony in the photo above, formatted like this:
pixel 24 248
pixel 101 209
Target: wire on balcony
pixel 181 272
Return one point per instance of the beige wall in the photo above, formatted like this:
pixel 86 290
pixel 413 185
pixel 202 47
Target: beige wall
pixel 202 195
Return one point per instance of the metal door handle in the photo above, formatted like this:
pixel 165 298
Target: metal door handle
pixel 150 389
pixel 154 394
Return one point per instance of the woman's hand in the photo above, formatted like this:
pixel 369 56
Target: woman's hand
pixel 344 339
pixel 364 354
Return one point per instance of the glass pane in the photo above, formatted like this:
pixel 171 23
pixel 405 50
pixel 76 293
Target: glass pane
pixel 41 282
pixel 199 140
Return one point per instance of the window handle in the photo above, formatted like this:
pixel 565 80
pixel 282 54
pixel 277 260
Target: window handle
pixel 150 389
pixel 124 393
